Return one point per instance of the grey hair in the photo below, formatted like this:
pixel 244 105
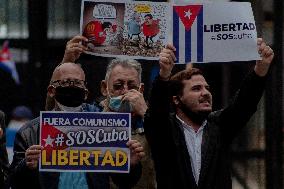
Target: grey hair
pixel 125 63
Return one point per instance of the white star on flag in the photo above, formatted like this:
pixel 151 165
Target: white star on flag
pixel 48 141
pixel 187 14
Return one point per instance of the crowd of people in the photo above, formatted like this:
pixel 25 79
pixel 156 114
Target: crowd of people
pixel 178 141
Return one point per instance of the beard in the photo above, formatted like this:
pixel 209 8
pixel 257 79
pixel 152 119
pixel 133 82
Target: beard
pixel 197 117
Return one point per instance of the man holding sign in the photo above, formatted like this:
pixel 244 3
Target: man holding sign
pixel 123 91
pixel 191 146
pixel 68 88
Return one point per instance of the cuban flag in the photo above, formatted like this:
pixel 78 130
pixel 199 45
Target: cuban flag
pixel 188 33
pixel 6 62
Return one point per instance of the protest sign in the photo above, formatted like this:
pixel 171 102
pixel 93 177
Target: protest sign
pixel 214 32
pixel 88 142
pixel 119 28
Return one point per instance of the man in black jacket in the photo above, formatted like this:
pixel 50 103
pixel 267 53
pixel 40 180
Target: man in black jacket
pixel 191 146
pixel 4 163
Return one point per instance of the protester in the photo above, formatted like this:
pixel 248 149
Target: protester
pixel 20 115
pixel 123 92
pixel 191 146
pixel 4 163
pixel 67 87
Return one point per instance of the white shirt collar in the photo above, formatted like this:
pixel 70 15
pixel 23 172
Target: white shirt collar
pixel 186 126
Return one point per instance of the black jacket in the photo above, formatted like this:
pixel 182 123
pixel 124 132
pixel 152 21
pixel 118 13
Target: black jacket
pixel 23 177
pixel 4 162
pixel 166 138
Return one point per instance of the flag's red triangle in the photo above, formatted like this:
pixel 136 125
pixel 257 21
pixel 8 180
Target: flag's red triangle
pixel 52 132
pixel 5 54
pixel 187 14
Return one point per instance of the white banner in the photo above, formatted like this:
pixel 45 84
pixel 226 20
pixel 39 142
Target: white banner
pixel 214 32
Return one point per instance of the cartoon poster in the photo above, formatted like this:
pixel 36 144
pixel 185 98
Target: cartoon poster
pixel 119 28
pixel 88 142
pixel 214 32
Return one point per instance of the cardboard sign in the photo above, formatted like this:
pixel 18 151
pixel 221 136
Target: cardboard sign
pixel 85 141
pixel 201 32
pixel 214 32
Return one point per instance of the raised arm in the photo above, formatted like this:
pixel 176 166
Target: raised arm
pixel 74 48
pixel 160 99
pixel 244 105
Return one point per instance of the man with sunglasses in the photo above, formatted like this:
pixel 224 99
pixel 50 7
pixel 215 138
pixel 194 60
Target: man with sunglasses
pixel 68 88
pixel 123 91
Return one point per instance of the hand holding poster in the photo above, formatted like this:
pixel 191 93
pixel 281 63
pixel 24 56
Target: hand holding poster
pixel 214 32
pixel 88 142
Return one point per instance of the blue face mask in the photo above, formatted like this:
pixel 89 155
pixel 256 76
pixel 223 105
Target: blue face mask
pixel 116 105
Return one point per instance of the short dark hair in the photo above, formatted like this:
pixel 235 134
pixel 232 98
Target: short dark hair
pixel 176 83
pixel 148 15
pixel 106 25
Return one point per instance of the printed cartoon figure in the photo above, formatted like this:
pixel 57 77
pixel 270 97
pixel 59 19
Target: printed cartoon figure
pixel 133 26
pixel 97 32
pixel 111 31
pixel 150 28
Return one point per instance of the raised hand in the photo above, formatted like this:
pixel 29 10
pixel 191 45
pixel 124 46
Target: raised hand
pixel 166 61
pixel 74 48
pixel 262 66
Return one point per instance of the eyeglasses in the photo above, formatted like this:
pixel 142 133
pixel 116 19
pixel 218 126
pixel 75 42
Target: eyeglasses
pixel 121 86
pixel 70 82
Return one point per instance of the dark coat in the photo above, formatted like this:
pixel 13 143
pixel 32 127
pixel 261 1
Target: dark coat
pixel 4 162
pixel 167 141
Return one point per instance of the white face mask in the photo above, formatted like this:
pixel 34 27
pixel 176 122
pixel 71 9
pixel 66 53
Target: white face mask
pixel 69 109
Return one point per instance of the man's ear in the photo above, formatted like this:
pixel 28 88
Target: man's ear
pixel 176 100
pixel 104 87
pixel 51 91
pixel 49 101
pixel 141 90
pixel 86 94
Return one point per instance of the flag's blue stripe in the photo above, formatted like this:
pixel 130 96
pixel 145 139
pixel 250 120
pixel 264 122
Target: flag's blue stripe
pixel 5 68
pixel 187 46
pixel 200 36
pixel 176 32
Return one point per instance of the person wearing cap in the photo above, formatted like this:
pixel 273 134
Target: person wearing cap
pixel 20 115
